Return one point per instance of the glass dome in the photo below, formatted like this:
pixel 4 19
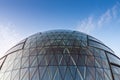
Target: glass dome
pixel 60 55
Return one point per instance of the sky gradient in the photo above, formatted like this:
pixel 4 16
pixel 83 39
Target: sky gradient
pixel 98 18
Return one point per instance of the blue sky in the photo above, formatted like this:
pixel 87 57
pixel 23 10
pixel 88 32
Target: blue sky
pixel 22 18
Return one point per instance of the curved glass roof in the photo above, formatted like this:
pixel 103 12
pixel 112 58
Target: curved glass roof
pixel 64 36
pixel 60 55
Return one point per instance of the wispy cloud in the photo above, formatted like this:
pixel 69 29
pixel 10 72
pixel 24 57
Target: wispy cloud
pixel 90 23
pixel 8 37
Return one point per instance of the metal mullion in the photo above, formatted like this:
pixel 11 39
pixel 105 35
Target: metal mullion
pixel 109 65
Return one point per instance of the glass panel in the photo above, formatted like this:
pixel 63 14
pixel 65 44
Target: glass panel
pixel 99 74
pixel 7 76
pixel 33 61
pixel 98 62
pixel 25 62
pixel 116 77
pixel 34 75
pixel 15 75
pixel 82 71
pixel 51 61
pixel 90 61
pixel 1 76
pixel 32 45
pixel 105 63
pixel 62 70
pixel 116 69
pixel 73 70
pixel 8 64
pixel 16 64
pixel 81 59
pixel 42 70
pixel 116 72
pixel 19 54
pixel 24 74
pixel 17 47
pixel 33 51
pixel 40 59
pixel 99 45
pixel 52 70
pixel 74 59
pixel 57 75
pixel 94 39
pixel 68 75
pixel 25 52
pixel 90 73
pixel 113 59
pixel 107 74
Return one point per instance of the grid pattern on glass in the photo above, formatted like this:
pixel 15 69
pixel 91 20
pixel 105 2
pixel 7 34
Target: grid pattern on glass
pixel 61 63
pixel 56 55
pixel 99 45
pixel 116 72
pixel 113 59
pixel 60 38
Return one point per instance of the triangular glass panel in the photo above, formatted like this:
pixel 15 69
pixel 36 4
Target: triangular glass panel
pixel 62 61
pixel 43 60
pixel 42 70
pixel 78 76
pixel 41 51
pixel 25 53
pixel 40 58
pixel 33 51
pixel 33 61
pixel 59 37
pixel 52 70
pixel 46 75
pixel 90 73
pixel 68 75
pixel 90 61
pixel 62 70
pixel 98 62
pixel 74 59
pixel 15 75
pixel 25 62
pixel 81 59
pixel 66 51
pixel 99 74
pixel 48 58
pixel 57 75
pixel 24 74
pixel 73 70
pixel 34 75
pixel 53 61
pixel 68 59
pixel 32 72
pixel 16 64
pixel 107 74
pixel 65 42
pixel 105 63
pixel 82 71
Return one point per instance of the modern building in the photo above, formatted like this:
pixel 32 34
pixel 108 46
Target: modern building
pixel 60 55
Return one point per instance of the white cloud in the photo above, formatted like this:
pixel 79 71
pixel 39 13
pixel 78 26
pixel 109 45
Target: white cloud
pixel 105 18
pixel 90 23
pixel 86 25
pixel 116 10
pixel 8 37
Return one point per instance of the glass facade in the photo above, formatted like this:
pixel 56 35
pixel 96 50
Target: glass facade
pixel 60 55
